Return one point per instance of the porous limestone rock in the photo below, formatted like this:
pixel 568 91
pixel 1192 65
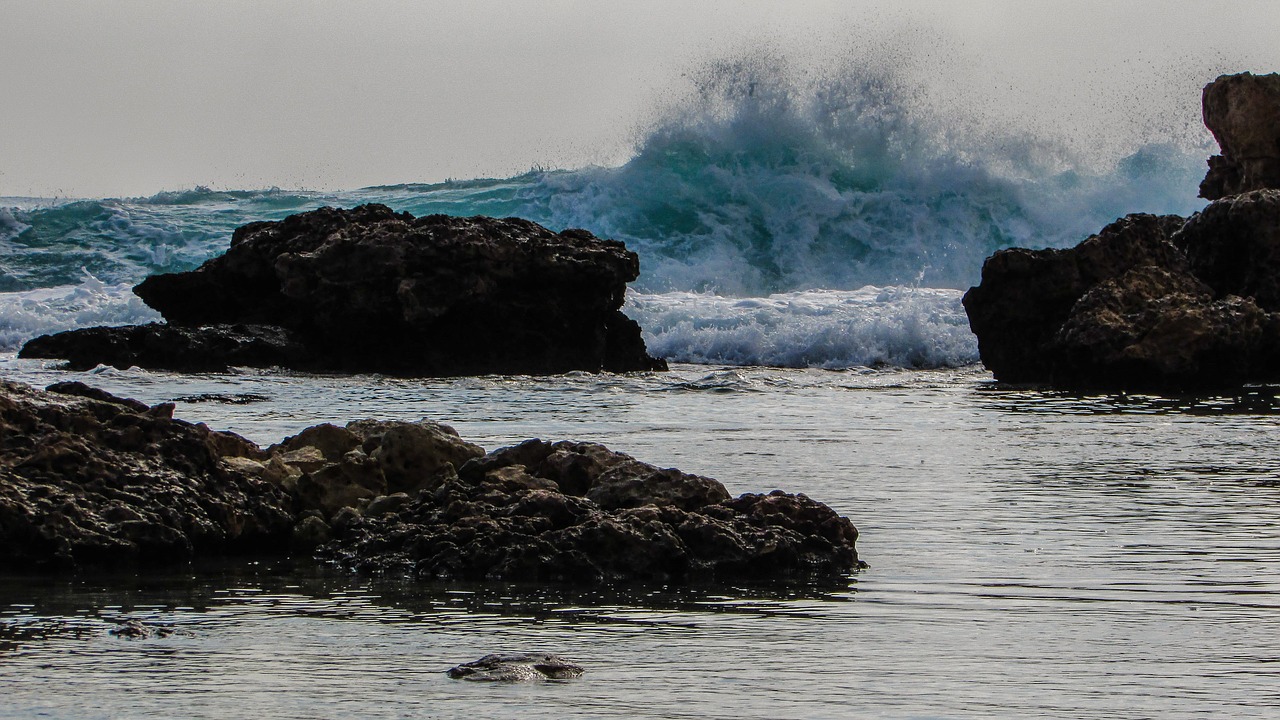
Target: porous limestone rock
pixel 89 479
pixel 1243 113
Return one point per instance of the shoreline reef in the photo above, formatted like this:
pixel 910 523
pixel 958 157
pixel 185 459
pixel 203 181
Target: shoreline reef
pixel 1155 303
pixel 90 480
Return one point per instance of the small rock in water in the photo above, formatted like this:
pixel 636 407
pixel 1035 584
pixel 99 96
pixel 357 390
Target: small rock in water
pixel 224 398
pixel 138 630
pixel 516 668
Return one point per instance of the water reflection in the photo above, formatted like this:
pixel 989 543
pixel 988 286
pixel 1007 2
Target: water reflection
pixel 33 609
pixel 1253 400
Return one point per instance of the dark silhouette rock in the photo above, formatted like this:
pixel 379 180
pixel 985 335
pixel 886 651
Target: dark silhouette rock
pixel 1233 245
pixel 1155 303
pixel 1153 328
pixel 372 290
pixel 1025 296
pixel 209 348
pixel 89 479
pixel 516 668
pixel 1243 113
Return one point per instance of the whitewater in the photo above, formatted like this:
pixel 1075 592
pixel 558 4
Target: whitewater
pixel 828 223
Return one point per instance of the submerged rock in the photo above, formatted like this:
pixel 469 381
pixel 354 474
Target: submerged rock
pixel 1243 113
pixel 87 478
pixel 516 668
pixel 372 290
pixel 138 630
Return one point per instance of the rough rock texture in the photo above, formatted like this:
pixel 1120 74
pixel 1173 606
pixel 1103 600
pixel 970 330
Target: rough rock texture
pixel 1233 245
pixel 329 468
pixel 88 478
pixel 579 512
pixel 212 348
pixel 516 668
pixel 1243 113
pixel 1128 310
pixel 372 290
pixel 1153 324
pixel 1153 303
pixel 1025 296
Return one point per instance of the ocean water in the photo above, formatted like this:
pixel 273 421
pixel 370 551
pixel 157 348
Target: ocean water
pixel 804 249
pixel 1032 554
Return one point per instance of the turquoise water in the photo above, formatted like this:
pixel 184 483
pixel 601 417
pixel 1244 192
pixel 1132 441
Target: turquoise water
pixel 1032 554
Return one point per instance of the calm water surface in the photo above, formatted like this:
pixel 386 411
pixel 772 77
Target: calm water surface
pixel 1032 554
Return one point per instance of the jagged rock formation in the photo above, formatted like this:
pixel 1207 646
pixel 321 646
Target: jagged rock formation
pixel 1243 113
pixel 563 511
pixel 1155 303
pixel 1146 304
pixel 372 290
pixel 87 478
pixel 1026 296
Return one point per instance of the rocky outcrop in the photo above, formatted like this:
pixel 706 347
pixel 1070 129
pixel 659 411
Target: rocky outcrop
pixel 516 668
pixel 1154 329
pixel 372 290
pixel 1233 245
pixel 579 512
pixel 1140 306
pixel 1026 296
pixel 1154 303
pixel 87 479
pixel 1243 113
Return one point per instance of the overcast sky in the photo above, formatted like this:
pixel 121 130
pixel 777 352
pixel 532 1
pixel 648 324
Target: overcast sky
pixel 108 97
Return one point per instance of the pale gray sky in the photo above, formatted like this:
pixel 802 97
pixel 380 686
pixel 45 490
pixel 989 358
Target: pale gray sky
pixel 116 97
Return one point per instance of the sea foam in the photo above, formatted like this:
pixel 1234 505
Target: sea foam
pixel 26 314
pixel 834 329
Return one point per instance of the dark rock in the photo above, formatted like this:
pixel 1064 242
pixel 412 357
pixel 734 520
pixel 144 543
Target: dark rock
pixel 1233 245
pixel 138 630
pixel 88 478
pixel 1152 303
pixel 212 348
pixel 371 290
pixel 1025 296
pixel 516 668
pixel 580 512
pixel 1153 328
pixel 1243 113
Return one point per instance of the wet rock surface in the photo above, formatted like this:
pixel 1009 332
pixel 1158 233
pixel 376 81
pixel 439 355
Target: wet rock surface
pixel 1153 303
pixel 87 478
pixel 212 348
pixel 579 512
pixel 90 479
pixel 372 290
pixel 516 668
